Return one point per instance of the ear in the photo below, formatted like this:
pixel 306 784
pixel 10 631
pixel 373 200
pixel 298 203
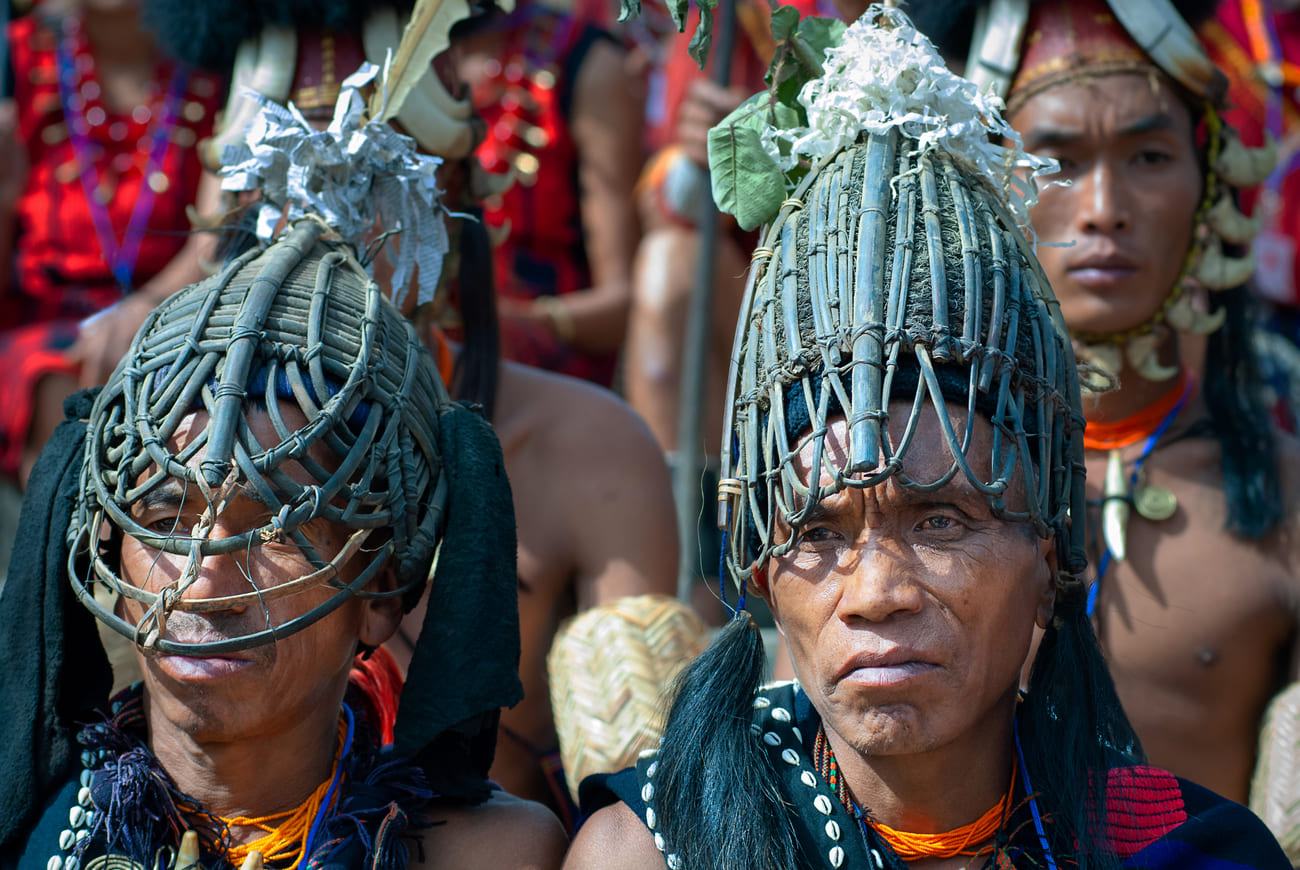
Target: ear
pixel 380 616
pixel 1048 566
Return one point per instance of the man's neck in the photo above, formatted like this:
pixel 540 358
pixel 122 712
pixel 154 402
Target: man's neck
pixel 1135 392
pixel 250 776
pixel 932 792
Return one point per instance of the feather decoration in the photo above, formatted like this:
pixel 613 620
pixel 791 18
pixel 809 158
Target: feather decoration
pixel 427 34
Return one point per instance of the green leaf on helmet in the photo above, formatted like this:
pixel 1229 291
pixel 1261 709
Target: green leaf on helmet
pixel 815 35
pixel 702 39
pixel 784 21
pixel 747 182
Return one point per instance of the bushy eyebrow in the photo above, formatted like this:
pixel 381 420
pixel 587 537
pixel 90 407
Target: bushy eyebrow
pixel 168 494
pixel 1047 135
pixel 958 495
pixel 173 494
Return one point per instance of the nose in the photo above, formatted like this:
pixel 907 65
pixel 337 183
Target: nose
pixel 879 584
pixel 219 575
pixel 1102 200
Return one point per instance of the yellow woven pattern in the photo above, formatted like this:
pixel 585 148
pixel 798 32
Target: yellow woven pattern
pixel 1275 789
pixel 609 670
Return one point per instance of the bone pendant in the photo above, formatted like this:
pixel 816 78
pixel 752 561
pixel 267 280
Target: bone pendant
pixel 1106 356
pixel 1218 271
pixel 1144 355
pixel 1114 507
pixel 187 856
pixel 1230 224
pixel 1243 167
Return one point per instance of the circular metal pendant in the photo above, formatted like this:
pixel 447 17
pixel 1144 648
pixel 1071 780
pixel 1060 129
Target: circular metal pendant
pixel 113 862
pixel 1155 503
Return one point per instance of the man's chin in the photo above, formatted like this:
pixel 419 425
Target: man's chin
pixel 1086 313
pixel 892 730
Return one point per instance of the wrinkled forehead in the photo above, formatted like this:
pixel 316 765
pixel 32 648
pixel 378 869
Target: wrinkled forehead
pixel 931 447
pixel 929 453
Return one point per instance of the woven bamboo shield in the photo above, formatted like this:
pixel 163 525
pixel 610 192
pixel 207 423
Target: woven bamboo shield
pixel 610 670
pixel 1275 788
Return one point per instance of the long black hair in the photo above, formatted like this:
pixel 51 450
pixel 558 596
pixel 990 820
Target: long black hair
pixel 718 802
pixel 1240 421
pixel 478 365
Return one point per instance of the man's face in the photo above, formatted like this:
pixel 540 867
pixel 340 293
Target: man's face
pixel 262 690
pixel 1126 145
pixel 909 614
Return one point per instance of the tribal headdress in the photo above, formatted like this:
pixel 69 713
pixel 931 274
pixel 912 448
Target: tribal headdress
pixel 896 267
pixel 293 328
pixel 298 322
pixel 1023 47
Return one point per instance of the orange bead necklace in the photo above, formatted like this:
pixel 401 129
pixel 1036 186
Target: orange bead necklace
pixel 287 835
pixel 1135 427
pixel 965 840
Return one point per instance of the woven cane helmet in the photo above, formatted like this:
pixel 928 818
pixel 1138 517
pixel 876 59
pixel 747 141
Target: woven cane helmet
pixel 298 322
pixel 896 271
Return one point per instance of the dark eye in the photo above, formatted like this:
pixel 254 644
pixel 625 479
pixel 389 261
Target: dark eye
pixel 816 535
pixel 1151 157
pixel 936 523
pixel 165 525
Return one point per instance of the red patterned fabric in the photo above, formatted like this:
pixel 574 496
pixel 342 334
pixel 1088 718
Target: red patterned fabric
pixel 59 274
pixel 1228 43
pixel 1143 804
pixel 27 355
pixel 524 101
pixel 57 247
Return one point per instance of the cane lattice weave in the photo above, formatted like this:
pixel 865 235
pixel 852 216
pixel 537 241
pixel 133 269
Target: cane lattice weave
pixel 897 275
pixel 610 669
pixel 300 325
pixel 1275 788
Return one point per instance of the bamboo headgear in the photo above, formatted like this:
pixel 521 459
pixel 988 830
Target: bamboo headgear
pixel 300 323
pixel 895 271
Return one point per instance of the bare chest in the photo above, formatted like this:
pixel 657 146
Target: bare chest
pixel 1191 605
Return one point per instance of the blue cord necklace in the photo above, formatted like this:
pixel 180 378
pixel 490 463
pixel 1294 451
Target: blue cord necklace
pixel 1103 564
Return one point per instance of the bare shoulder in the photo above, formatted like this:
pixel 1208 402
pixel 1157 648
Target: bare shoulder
pixel 505 833
pixel 614 839
pixel 569 417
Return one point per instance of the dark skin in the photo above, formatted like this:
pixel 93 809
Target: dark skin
pixel 908 616
pixel 254 732
pixel 1195 659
